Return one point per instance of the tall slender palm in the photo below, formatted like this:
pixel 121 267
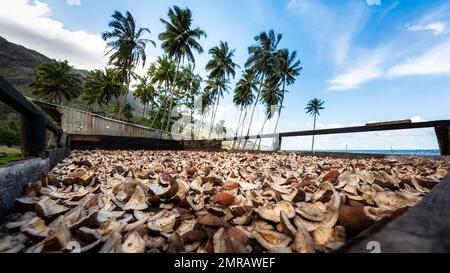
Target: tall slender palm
pixel 261 60
pixel 189 89
pixel 126 46
pixel 220 68
pixel 313 108
pixel 163 74
pixel 100 86
pixel 179 40
pixel 55 81
pixel 217 87
pixel 144 92
pixel 271 96
pixel 244 97
pixel 287 68
pixel 206 100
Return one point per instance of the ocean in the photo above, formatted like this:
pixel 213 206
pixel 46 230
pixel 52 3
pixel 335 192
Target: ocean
pixel 388 152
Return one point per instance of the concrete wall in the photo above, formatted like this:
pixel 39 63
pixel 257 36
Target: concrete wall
pixel 14 177
pixel 56 156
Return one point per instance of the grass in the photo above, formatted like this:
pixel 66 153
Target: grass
pixel 11 155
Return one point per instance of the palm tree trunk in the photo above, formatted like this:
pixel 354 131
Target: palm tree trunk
pixel 260 133
pixel 156 116
pixel 242 127
pixel 200 125
pixel 171 94
pixel 312 147
pixel 237 128
pixel 254 108
pixel 214 116
pixel 159 109
pixel 124 96
pixel 279 112
pixel 212 113
pixel 193 124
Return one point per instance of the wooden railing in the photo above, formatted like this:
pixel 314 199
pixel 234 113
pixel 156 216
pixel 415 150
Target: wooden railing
pixel 34 123
pixel 442 130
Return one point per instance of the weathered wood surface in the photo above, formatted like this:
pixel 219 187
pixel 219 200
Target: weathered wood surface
pixel 84 142
pixel 443 137
pixel 441 127
pixel 425 228
pixel 34 123
pixel 78 122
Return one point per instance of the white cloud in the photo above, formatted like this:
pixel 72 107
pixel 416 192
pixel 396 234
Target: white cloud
pixel 29 23
pixel 333 33
pixel 388 63
pixel 434 62
pixel 366 70
pixel 73 2
pixel 437 28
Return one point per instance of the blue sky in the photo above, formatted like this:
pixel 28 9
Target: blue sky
pixel 368 62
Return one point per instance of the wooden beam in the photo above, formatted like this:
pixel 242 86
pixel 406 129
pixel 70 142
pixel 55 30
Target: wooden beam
pixel 443 137
pixel 33 135
pixel 14 99
pixel 424 228
pixel 348 130
pixel 404 121
pixel 34 122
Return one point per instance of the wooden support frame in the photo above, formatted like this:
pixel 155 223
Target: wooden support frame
pixel 34 123
pixel 441 128
pixel 443 137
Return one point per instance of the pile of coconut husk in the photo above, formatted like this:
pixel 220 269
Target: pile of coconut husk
pixel 147 201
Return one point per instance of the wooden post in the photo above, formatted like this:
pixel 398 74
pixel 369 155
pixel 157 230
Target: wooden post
pixel 277 144
pixel 33 135
pixel 443 137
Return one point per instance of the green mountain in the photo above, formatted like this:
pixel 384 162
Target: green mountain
pixel 18 66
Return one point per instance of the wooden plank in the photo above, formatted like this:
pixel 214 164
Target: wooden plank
pixel 85 138
pixel 14 99
pixel 84 142
pixel 348 130
pixel 33 135
pixel 405 121
pixel 34 122
pixel 443 137
pixel 360 129
pixel 424 228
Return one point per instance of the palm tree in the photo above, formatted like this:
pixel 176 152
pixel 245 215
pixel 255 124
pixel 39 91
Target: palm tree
pixel 217 87
pixel 162 73
pixel 100 86
pixel 244 97
pixel 313 108
pixel 220 68
pixel 55 81
pixel 261 60
pixel 127 47
pixel 206 100
pixel 179 40
pixel 188 89
pixel 145 92
pixel 286 69
pixel 271 96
